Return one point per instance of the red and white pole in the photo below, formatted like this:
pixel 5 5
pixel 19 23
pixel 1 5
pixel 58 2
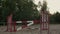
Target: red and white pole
pixel 14 23
pixel 9 23
pixel 44 25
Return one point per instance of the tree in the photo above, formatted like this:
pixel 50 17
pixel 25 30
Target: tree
pixel 55 18
pixel 21 9
pixel 26 10
pixel 0 9
pixel 44 6
pixel 9 7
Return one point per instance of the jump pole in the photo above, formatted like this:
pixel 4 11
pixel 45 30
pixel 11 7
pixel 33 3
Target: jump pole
pixel 9 23
pixel 44 25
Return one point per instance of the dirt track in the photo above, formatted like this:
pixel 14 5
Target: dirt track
pixel 54 29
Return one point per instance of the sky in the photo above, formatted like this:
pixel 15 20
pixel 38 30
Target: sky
pixel 53 5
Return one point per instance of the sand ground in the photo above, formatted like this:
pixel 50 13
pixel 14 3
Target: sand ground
pixel 34 29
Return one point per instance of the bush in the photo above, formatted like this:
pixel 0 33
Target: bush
pixel 2 23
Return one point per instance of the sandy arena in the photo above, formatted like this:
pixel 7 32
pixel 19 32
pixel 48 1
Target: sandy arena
pixel 34 29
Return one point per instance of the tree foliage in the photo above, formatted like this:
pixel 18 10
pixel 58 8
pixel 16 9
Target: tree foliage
pixel 26 10
pixel 20 9
pixel 55 18
pixel 44 6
